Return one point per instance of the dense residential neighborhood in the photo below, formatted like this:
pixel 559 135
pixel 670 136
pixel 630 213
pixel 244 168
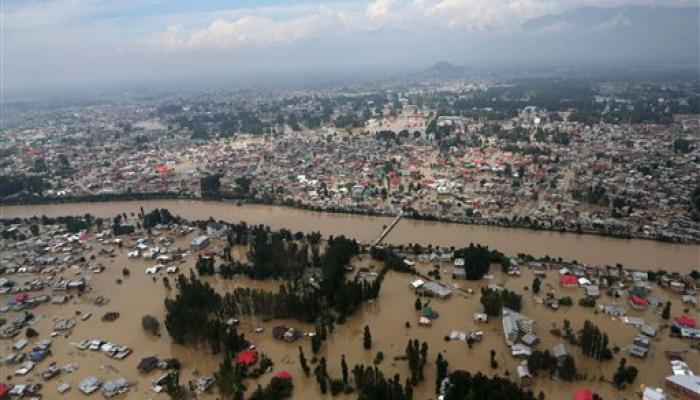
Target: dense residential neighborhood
pixel 614 159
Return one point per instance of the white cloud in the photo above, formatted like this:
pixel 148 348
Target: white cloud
pixel 485 15
pixel 27 15
pixel 170 39
pixel 65 42
pixel 380 8
pixel 414 16
pixel 253 30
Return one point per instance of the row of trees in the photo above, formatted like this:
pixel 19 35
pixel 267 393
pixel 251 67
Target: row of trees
pixel 193 317
pixel 494 300
pixel 465 386
pixel 593 342
pixel 197 307
pixel 565 368
pixel 13 184
pixel 478 259
pixel 158 216
pixel 417 357
pixel 273 256
pixel 371 384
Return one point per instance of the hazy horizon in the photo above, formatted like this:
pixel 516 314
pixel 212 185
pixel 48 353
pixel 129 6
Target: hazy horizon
pixel 74 44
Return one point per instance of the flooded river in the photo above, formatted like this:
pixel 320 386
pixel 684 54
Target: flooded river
pixel 583 248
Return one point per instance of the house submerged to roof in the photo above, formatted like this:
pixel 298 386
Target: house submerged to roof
pixel 689 385
pixel 514 324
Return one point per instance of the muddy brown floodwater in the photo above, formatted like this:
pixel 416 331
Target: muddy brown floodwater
pixel 588 249
pixel 141 294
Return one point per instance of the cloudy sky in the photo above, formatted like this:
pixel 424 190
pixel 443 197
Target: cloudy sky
pixel 64 43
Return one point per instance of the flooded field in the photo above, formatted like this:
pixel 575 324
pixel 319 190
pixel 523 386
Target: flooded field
pixel 583 248
pixel 139 294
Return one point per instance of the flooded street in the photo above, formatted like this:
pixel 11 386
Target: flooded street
pixel 582 248
pixel 140 294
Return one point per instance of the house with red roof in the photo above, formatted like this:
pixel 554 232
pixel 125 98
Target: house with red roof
pixel 21 298
pixel 568 281
pixel 247 357
pixel 284 375
pixel 583 394
pixel 685 321
pixel 639 303
pixel 4 391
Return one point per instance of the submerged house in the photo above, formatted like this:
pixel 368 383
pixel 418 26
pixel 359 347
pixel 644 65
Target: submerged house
pixel 437 290
pixel 689 385
pixel 568 281
pixel 524 376
pixel 247 357
pixel 514 324
pixel 115 387
pixel 285 333
pixel 147 364
pixel 459 271
pixel 428 312
pixel 89 384
pixel 199 242
pixel 559 352
pixel 639 303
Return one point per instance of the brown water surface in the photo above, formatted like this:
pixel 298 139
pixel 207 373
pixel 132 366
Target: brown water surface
pixel 589 249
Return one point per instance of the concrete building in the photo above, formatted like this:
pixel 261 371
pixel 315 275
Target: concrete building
pixel 688 385
pixel 199 242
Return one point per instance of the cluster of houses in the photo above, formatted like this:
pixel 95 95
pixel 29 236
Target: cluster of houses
pixel 50 268
pixel 111 350
pixel 110 388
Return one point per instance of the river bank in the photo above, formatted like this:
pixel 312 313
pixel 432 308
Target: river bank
pixel 503 223
pixel 590 249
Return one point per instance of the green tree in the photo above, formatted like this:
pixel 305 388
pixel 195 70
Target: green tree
pixel 666 313
pixel 367 339
pixel 344 369
pixel 210 184
pixel 536 283
pixel 321 374
pixel 624 374
pixel 229 380
pixel 315 343
pixel 567 371
pixel 681 145
pixel 593 342
pixel 441 367
pixel 303 363
pixel 150 324
pixel 619 377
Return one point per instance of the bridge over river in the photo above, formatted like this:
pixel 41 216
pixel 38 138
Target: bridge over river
pixel 388 229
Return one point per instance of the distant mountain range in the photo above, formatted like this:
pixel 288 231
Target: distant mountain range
pixel 637 36
pixel 628 34
pixel 445 70
pixel 637 18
